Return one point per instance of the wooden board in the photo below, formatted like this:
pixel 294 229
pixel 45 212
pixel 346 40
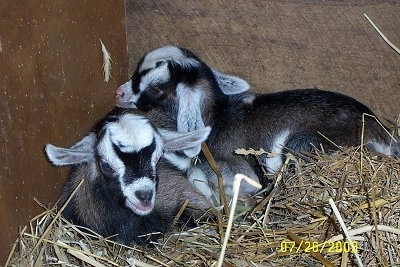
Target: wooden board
pixel 282 44
pixel 52 91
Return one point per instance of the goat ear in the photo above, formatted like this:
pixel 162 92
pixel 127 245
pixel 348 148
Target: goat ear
pixel 175 70
pixel 155 94
pixel 81 152
pixel 189 143
pixel 229 84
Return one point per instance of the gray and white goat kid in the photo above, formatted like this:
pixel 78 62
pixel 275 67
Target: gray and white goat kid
pixel 175 82
pixel 156 69
pixel 127 191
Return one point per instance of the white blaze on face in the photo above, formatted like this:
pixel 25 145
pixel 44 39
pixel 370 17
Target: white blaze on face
pixel 156 76
pixel 164 54
pixel 130 134
pixel 161 74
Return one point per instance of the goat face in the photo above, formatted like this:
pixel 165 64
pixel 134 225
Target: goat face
pixel 153 77
pixel 122 155
pixel 127 153
pixel 162 70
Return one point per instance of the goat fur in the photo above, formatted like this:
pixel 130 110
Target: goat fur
pixel 100 205
pixel 193 96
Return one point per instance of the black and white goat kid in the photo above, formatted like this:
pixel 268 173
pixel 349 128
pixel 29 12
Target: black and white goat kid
pixel 123 192
pixel 175 82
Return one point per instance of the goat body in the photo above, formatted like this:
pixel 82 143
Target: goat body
pixel 117 162
pixel 297 120
pixel 195 96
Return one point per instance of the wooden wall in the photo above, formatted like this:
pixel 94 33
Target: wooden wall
pixel 282 44
pixel 52 91
pixel 52 87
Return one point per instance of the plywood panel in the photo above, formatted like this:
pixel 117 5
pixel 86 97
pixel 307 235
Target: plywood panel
pixel 282 44
pixel 52 90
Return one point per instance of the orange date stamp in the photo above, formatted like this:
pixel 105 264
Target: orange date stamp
pixel 315 246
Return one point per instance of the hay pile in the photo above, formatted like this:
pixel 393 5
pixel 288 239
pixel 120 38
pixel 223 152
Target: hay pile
pixel 279 231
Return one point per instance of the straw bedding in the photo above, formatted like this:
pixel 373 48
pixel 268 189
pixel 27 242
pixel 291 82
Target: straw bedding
pixel 293 224
pixel 340 209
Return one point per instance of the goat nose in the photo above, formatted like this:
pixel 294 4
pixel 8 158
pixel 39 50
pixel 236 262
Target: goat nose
pixel 144 196
pixel 119 92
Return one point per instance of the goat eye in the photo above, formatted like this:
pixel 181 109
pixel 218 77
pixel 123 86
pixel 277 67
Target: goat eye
pixel 156 93
pixel 105 167
pixel 159 63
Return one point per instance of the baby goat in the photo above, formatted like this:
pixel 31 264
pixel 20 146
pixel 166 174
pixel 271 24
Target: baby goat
pixel 117 161
pixel 178 84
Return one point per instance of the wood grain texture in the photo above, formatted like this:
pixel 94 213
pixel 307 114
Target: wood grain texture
pixel 52 91
pixel 279 45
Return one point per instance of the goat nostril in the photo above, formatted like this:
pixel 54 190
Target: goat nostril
pixel 144 196
pixel 119 93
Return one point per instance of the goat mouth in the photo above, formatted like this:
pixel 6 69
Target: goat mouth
pixel 125 104
pixel 139 208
